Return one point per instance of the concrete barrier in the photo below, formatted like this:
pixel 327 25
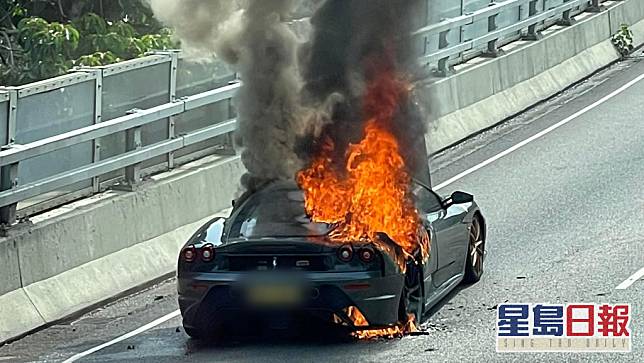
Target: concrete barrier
pixel 630 13
pixel 82 287
pixel 10 279
pixel 90 251
pixel 17 313
pixel 484 92
pixel 95 227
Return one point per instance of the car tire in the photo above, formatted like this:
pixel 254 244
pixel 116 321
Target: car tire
pixel 412 299
pixel 210 334
pixel 193 333
pixel 475 252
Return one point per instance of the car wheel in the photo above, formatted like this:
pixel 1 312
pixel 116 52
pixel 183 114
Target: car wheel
pixel 475 252
pixel 193 333
pixel 210 334
pixel 412 300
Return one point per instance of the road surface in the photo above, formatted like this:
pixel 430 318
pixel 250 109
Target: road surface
pixel 565 212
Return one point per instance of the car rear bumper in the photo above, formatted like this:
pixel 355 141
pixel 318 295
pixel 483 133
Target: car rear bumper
pixel 212 298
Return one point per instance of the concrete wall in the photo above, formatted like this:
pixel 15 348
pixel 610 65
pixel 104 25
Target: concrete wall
pixel 76 256
pixel 484 92
pixel 10 279
pixel 116 220
pixel 90 251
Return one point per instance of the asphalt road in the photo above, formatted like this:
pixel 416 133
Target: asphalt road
pixel 566 224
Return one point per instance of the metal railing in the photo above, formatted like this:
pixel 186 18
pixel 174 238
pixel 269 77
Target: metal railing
pixel 532 16
pixel 77 134
pixel 83 154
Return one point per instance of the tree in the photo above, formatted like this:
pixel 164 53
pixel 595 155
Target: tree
pixel 45 38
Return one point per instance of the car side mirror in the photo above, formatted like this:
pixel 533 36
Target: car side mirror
pixel 461 197
pixel 458 198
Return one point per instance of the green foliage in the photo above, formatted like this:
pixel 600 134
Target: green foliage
pixel 97 59
pixel 45 38
pixel 48 47
pixel 623 40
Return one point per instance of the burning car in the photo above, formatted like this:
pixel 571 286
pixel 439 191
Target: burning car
pixel 355 238
pixel 270 261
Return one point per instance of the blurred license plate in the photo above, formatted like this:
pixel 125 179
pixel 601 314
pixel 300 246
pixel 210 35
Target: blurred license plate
pixel 277 295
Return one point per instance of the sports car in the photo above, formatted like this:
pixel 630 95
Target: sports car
pixel 268 263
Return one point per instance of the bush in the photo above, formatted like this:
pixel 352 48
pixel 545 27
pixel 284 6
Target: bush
pixel 623 40
pixel 45 38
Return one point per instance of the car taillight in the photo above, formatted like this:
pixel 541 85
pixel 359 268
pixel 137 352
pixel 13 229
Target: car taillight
pixel 189 253
pixel 207 253
pixel 345 253
pixel 366 254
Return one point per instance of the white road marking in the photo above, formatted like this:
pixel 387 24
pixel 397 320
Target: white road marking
pixel 129 335
pixel 631 280
pixel 540 134
pixel 444 184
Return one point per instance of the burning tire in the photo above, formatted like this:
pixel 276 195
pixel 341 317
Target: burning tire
pixel 412 300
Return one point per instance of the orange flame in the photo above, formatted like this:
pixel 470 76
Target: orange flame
pixel 358 320
pixel 396 331
pixel 370 193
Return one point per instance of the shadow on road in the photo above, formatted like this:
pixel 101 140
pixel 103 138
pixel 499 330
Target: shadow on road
pixel 306 337
pixel 444 301
pixel 304 334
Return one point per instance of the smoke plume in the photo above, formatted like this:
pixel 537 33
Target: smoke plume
pixel 197 23
pixel 251 36
pixel 352 41
pixel 270 117
pixel 294 94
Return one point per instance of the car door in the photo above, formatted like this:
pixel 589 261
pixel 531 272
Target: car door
pixel 448 231
pixel 427 205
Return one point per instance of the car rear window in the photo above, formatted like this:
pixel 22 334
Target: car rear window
pixel 275 213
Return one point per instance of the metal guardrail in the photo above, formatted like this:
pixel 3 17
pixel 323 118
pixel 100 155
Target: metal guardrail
pixel 141 146
pixel 130 160
pixel 533 16
pixel 44 153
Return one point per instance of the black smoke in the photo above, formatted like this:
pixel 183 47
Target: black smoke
pixel 350 41
pixel 295 94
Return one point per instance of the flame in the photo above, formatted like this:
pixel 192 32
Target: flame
pixel 356 316
pixel 396 331
pixel 370 193
pixel 358 320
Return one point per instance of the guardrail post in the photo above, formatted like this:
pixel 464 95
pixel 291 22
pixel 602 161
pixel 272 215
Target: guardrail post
pixel 133 172
pixel 174 67
pixel 9 180
pixel 492 46
pixel 566 17
pixel 443 67
pixel 13 115
pixel 533 32
pixel 98 118
pixel 9 173
pixel 229 144
pixel 596 6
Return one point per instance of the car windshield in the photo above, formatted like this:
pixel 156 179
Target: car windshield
pixel 275 213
